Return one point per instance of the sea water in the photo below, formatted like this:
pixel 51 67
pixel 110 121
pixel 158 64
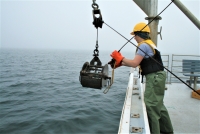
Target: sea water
pixel 40 92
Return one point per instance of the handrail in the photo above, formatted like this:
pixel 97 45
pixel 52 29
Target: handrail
pixel 176 65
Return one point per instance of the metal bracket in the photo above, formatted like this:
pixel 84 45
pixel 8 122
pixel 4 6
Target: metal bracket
pixel 159 33
pixel 95 61
pixel 135 88
pixel 136 130
pixel 152 17
pixel 135 81
pixel 135 93
pixel 135 115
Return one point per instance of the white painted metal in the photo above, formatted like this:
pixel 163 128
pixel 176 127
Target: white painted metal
pixel 150 8
pixel 187 13
pixel 125 116
pixel 176 100
pixel 134 104
pixel 146 122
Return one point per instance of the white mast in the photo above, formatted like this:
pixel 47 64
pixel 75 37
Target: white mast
pixel 150 8
pixel 187 13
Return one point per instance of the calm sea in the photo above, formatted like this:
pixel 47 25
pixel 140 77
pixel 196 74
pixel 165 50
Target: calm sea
pixel 40 92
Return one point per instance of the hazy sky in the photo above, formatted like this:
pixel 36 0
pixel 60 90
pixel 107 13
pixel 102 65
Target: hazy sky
pixel 67 24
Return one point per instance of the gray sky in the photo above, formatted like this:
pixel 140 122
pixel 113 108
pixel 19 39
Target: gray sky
pixel 67 24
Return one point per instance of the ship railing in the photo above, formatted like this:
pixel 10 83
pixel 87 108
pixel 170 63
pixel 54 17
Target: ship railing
pixel 177 67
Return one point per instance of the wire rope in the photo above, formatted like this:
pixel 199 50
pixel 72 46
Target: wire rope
pixel 129 41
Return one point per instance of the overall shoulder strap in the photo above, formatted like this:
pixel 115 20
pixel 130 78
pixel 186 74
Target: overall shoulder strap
pixel 150 43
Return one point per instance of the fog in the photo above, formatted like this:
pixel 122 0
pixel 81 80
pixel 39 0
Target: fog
pixel 67 24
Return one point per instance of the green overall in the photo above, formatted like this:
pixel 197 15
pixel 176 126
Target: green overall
pixel 159 120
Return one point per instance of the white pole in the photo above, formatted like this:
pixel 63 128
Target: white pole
pixel 150 8
pixel 187 13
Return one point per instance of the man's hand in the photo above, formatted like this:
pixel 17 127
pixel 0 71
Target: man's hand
pixel 113 64
pixel 117 58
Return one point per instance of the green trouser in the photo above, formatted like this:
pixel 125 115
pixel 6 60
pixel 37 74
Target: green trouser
pixel 159 120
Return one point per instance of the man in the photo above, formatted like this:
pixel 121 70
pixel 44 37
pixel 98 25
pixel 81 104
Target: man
pixel 159 120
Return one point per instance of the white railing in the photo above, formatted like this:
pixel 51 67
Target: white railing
pixel 134 117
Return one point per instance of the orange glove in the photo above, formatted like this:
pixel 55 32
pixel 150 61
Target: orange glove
pixel 117 57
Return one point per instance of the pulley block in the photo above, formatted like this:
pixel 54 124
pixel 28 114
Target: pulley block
pixel 94 75
pixel 98 21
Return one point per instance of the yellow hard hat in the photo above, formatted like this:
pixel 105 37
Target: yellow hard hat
pixel 141 27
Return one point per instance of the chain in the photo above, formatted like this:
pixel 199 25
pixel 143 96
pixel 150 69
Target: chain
pixel 98 23
pixel 96 51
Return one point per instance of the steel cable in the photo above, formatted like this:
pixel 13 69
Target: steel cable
pixel 129 41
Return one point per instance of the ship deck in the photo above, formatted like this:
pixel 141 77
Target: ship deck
pixel 184 110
